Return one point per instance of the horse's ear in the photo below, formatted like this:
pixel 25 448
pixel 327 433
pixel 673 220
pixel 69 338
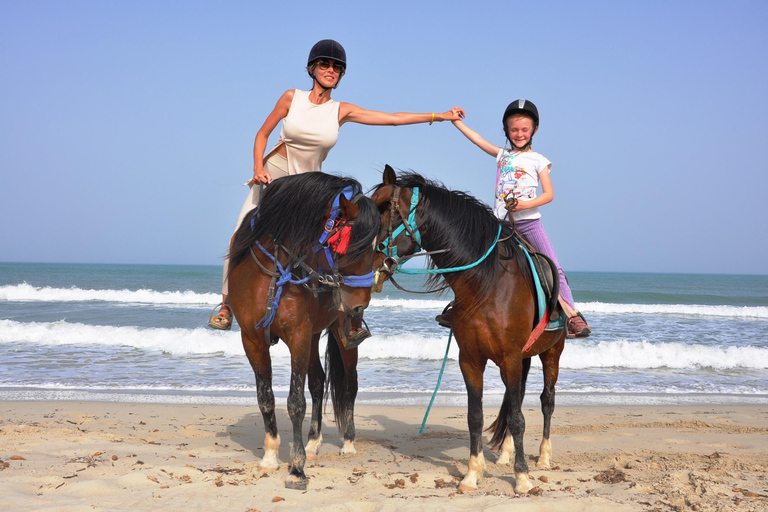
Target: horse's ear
pixel 390 178
pixel 349 210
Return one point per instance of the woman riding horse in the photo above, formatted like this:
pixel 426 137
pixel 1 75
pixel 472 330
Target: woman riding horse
pixel 299 262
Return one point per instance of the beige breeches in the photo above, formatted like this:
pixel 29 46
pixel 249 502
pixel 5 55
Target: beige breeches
pixel 277 166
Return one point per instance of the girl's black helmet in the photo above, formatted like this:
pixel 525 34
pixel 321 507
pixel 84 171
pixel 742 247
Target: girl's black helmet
pixel 327 49
pixel 521 107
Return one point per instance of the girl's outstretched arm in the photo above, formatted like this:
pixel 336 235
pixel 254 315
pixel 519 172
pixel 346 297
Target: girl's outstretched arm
pixel 491 149
pixel 349 113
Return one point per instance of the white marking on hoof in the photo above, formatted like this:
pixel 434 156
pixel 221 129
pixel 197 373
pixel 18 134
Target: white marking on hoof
pixel 348 448
pixel 507 451
pixel 474 474
pixel 522 484
pixel 313 446
pixel 545 453
pixel 271 445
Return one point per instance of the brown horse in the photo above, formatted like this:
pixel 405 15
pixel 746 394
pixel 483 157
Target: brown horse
pixel 300 262
pixel 494 306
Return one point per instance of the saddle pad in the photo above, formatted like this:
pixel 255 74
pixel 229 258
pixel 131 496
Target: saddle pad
pixel 542 297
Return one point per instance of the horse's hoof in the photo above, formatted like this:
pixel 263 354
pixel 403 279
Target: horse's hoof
pixel 542 463
pixel 467 487
pixel 313 446
pixel 348 448
pixel 268 466
pixel 296 483
pixel 503 458
pixel 522 483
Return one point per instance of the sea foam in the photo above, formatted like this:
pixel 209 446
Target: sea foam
pixel 578 354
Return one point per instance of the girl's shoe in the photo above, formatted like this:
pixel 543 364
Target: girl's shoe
pixel 577 327
pixel 221 321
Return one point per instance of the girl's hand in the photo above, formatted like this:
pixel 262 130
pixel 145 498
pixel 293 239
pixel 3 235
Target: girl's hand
pixel 511 204
pixel 455 114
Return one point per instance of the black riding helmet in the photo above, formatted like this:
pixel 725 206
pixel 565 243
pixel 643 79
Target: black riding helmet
pixel 327 49
pixel 521 107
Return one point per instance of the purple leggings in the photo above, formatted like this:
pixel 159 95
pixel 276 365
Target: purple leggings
pixel 533 232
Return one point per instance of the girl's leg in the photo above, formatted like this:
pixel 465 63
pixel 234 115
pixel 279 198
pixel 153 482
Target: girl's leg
pixel 534 234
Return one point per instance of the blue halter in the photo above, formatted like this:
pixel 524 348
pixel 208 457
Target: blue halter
pixel 286 276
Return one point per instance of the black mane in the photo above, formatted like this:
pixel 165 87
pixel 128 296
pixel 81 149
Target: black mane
pixel 458 221
pixel 292 210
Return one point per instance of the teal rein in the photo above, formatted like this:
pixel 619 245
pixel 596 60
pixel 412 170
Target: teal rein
pixel 453 269
pixel 450 334
pixel 439 378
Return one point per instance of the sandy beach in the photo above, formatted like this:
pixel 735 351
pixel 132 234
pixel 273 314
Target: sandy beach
pixel 118 456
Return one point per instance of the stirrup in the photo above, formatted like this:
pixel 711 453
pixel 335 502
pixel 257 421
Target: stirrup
pixel 445 318
pixel 215 321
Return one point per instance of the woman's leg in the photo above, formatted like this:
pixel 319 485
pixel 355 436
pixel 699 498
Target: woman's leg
pixel 277 166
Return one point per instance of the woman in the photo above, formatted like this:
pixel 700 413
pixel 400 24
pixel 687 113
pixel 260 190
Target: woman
pixel 311 122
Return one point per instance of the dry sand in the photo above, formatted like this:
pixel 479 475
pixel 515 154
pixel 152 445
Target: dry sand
pixel 116 456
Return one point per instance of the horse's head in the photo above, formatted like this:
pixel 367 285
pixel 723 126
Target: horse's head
pixel 349 241
pixel 399 237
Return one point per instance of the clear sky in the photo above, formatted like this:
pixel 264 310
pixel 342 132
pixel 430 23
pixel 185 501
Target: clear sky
pixel 126 127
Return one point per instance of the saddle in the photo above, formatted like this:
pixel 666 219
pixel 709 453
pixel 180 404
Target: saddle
pixel 547 286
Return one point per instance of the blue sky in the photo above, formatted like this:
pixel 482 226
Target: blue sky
pixel 126 128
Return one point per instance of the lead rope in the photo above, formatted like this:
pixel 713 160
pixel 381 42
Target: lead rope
pixel 439 378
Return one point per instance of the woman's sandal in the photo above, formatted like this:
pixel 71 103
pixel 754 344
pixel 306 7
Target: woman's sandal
pixel 221 321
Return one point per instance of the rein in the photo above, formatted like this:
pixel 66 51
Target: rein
pixel 336 232
pixel 408 224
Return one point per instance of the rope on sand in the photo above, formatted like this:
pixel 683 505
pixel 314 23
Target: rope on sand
pixel 439 378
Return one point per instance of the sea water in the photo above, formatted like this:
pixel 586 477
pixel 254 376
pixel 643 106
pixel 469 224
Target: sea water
pixel 138 333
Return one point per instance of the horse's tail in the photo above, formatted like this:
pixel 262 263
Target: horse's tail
pixel 499 425
pixel 337 382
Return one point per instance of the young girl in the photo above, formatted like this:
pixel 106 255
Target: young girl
pixel 519 171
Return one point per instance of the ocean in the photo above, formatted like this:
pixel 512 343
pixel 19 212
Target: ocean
pixel 137 333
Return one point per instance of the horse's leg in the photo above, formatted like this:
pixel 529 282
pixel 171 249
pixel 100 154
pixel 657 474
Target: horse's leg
pixel 316 382
pixel 472 370
pixel 342 379
pixel 297 409
pixel 507 449
pixel 258 355
pixel 551 362
pixel 512 375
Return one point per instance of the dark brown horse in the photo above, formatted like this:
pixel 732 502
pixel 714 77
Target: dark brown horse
pixel 494 306
pixel 301 262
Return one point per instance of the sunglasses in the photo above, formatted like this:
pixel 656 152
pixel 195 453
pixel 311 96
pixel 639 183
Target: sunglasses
pixel 324 64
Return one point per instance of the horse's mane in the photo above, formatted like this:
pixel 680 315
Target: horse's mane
pixel 465 225
pixel 292 209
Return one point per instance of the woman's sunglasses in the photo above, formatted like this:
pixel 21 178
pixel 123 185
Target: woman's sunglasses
pixel 324 64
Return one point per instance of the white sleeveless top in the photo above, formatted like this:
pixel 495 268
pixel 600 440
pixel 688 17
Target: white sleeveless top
pixel 309 132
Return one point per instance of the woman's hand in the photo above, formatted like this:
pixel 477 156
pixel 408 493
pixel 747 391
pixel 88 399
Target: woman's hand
pixel 261 176
pixel 455 114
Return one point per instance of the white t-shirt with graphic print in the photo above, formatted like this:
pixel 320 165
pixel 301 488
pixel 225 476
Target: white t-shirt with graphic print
pixel 517 173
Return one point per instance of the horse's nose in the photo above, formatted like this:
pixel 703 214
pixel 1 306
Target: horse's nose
pixel 358 311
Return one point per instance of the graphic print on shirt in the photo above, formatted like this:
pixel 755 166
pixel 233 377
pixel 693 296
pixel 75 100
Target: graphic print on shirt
pixel 514 181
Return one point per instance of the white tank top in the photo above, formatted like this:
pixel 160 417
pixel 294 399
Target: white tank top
pixel 309 132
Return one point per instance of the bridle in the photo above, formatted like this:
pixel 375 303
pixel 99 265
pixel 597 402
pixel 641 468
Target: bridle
pixel 388 247
pixel 330 242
